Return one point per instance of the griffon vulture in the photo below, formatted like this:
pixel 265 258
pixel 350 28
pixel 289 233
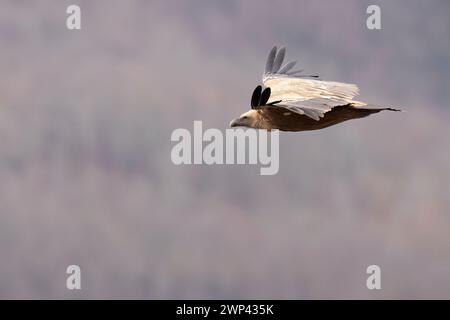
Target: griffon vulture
pixel 290 101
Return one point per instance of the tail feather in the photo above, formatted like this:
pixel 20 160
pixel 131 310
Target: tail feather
pixel 392 109
pixel 374 107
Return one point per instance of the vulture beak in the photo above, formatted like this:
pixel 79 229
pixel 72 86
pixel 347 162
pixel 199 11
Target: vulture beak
pixel 235 123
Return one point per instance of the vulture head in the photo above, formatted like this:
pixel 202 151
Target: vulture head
pixel 251 118
pixel 247 119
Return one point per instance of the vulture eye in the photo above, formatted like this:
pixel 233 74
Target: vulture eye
pixel 244 117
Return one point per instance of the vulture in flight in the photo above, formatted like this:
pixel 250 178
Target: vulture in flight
pixel 291 101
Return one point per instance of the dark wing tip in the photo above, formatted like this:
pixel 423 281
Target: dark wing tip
pixel 265 95
pixel 274 103
pixel 256 97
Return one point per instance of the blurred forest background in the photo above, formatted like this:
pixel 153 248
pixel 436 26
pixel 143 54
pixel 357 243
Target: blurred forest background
pixel 86 176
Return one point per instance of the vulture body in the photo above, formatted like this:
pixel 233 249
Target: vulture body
pixel 290 101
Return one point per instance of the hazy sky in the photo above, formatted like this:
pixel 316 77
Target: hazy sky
pixel 86 176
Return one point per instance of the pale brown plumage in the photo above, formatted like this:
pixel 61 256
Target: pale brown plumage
pixel 293 102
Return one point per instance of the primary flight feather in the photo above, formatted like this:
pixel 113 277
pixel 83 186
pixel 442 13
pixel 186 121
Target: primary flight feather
pixel 291 101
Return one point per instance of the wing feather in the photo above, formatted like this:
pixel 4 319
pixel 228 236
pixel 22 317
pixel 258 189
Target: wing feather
pixel 309 97
pixel 270 61
pixel 278 60
pixel 287 67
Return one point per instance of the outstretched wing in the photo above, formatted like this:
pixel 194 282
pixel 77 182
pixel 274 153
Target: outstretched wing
pixel 301 94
